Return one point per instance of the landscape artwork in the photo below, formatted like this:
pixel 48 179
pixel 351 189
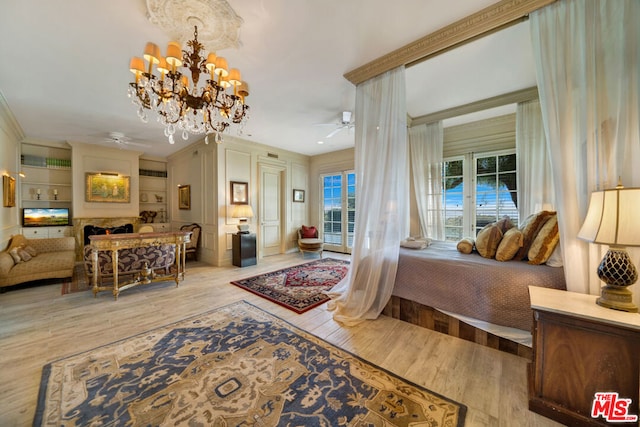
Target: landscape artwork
pixel 107 188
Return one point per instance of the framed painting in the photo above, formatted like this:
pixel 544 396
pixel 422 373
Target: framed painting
pixel 298 196
pixel 107 188
pixel 239 193
pixel 184 197
pixel 8 191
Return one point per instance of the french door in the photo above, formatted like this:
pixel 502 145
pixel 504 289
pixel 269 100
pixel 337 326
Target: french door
pixel 338 192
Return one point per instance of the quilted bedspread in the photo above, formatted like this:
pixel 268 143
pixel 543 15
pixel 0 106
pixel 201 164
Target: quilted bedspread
pixel 485 289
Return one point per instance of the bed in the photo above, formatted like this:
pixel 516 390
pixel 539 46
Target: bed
pixel 482 292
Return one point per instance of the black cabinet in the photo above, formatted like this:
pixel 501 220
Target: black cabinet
pixel 244 249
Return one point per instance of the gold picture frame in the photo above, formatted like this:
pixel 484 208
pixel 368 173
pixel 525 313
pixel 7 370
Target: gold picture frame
pixel 107 188
pixel 8 191
pixel 184 197
pixel 239 193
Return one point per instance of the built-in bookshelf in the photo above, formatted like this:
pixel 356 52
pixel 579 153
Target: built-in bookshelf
pixel 48 180
pixel 153 191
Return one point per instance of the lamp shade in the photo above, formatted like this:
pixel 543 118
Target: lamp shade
pixel 242 211
pixel 612 217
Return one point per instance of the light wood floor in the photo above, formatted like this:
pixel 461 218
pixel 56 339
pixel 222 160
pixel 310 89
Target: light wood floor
pixel 39 325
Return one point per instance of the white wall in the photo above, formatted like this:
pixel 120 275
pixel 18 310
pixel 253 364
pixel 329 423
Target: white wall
pixel 10 136
pixel 209 170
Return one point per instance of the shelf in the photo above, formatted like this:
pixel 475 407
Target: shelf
pixel 45 201
pixel 148 173
pixel 51 168
pixel 46 184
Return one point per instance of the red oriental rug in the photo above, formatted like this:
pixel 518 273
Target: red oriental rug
pixel 298 288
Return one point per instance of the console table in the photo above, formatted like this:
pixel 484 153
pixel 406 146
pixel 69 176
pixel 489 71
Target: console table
pixel 114 242
pixel 580 348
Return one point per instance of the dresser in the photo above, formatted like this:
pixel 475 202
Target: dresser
pixel 580 349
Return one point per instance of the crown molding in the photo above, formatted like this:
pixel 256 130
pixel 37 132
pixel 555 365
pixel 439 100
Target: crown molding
pixel 487 20
pixel 484 104
pixel 10 119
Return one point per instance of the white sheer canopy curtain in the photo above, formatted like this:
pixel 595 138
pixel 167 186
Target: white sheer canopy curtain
pixel 425 143
pixel 382 199
pixel 535 181
pixel 587 57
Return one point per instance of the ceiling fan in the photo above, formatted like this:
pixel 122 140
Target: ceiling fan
pixel 121 140
pixel 345 123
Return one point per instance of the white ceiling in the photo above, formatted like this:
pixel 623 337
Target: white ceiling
pixel 65 74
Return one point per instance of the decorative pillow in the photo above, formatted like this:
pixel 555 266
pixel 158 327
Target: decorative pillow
pixel 17 241
pixel 16 257
pixel 545 242
pixel 24 255
pixel 530 227
pixel 31 250
pixel 510 244
pixel 488 239
pixel 505 224
pixel 555 260
pixel 465 245
pixel 309 232
pixel 413 243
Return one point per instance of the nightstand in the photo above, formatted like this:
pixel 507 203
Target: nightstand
pixel 580 348
pixel 244 249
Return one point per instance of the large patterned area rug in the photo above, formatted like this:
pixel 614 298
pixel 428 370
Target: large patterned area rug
pixel 298 288
pixel 236 365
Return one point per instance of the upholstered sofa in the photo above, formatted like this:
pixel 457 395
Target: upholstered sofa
pixel 54 259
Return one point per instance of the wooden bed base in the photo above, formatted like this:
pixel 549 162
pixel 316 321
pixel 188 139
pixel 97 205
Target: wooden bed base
pixel 430 318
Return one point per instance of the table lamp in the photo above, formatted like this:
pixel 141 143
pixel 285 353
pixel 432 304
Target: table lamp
pixel 243 213
pixel 612 220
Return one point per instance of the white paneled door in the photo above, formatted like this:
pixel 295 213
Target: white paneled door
pixel 271 229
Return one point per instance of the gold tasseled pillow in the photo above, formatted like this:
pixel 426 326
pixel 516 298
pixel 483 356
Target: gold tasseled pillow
pixel 545 242
pixel 530 228
pixel 511 242
pixel 465 245
pixel 488 239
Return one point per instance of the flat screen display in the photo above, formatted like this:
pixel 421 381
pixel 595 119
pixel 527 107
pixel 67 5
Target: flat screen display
pixel 45 217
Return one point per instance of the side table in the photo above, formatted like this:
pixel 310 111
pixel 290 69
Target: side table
pixel 244 249
pixel 580 349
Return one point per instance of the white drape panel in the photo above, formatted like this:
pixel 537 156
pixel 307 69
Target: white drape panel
pixel 381 221
pixel 425 143
pixel 535 181
pixel 587 66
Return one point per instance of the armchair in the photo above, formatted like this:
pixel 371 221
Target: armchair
pixel 192 246
pixel 308 240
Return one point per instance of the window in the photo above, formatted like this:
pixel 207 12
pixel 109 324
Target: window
pixel 453 198
pixel 489 194
pixel 339 210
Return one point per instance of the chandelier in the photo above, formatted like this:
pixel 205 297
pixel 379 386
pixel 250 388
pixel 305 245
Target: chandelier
pixel 182 105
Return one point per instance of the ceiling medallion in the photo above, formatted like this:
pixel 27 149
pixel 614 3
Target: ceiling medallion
pixel 218 24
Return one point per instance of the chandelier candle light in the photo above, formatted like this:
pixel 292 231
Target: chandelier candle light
pixel 181 104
